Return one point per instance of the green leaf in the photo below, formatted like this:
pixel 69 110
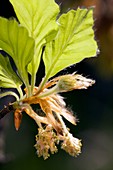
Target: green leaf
pixel 8 78
pixel 14 40
pixel 39 17
pixel 74 41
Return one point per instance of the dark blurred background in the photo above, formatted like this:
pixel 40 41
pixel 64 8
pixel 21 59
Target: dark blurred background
pixel 93 107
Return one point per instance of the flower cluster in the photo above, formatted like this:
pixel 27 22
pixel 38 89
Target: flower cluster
pixel 46 142
pixel 52 129
pixel 47 139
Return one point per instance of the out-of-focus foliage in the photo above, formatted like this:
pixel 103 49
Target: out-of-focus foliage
pixel 104 33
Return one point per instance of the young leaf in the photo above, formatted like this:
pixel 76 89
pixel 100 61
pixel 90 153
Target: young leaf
pixel 74 41
pixel 39 17
pixel 14 40
pixel 8 78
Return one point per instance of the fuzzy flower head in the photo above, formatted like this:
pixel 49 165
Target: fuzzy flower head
pixel 46 142
pixel 73 81
pixel 71 145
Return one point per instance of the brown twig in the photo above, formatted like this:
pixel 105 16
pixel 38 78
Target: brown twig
pixel 6 110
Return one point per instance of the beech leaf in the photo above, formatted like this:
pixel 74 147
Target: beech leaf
pixel 74 41
pixel 39 17
pixel 14 40
pixel 8 78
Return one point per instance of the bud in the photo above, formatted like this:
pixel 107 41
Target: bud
pixel 17 118
pixel 73 81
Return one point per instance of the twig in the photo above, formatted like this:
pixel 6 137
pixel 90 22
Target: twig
pixel 6 110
